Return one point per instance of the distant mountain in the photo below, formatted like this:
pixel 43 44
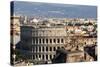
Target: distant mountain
pixel 54 10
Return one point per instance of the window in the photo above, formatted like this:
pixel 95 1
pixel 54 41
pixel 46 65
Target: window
pixel 58 47
pixel 42 48
pixel 43 41
pixel 36 48
pixel 36 40
pixel 62 40
pixel 39 56
pixel 53 55
pixel 54 40
pixel 43 57
pixel 46 40
pixel 33 40
pixel 58 41
pixel 50 56
pixel 54 49
pixel 50 40
pixel 33 49
pixel 46 48
pixel 62 47
pixel 50 48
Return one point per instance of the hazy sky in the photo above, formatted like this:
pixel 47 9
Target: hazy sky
pixel 54 10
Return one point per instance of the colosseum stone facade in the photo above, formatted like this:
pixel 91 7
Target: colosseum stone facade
pixel 43 42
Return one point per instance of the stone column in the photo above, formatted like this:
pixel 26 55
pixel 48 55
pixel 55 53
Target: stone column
pixel 48 49
pixel 44 48
pixel 35 56
pixel 41 48
pixel 38 56
pixel 48 57
pixel 41 57
pixel 35 41
pixel 64 41
pixel 34 48
pixel 38 41
pixel 41 40
pixel 37 48
pixel 52 55
pixel 48 41
pixel 45 57
pixel 59 40
pixel 32 41
pixel 44 40
pixel 52 49
pixel 32 53
pixel 51 41
pixel 56 41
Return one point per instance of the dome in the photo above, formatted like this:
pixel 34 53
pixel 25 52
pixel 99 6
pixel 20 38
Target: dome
pixel 35 20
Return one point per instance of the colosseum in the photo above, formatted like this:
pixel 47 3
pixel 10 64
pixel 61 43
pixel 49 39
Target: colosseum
pixel 42 41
